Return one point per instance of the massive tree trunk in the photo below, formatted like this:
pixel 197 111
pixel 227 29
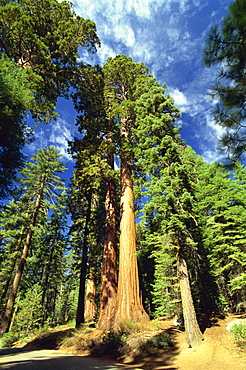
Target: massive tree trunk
pixel 109 278
pixel 10 303
pixel 129 304
pixel 194 336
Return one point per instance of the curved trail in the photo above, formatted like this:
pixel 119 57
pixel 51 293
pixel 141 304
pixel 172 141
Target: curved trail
pixel 43 359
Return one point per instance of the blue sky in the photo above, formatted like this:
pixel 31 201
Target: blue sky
pixel 168 36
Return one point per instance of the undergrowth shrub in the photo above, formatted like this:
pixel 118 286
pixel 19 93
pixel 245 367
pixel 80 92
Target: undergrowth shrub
pixel 8 339
pixel 239 331
pixel 128 327
pixel 111 344
pixel 160 341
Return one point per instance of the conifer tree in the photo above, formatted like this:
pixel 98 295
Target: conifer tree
pixel 226 48
pixel 222 202
pixel 44 36
pixel 121 77
pixel 39 63
pixel 169 186
pixel 48 266
pixel 15 99
pixel 40 184
pixel 84 204
pixel 96 149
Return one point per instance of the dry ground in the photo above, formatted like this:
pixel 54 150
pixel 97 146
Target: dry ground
pixel 217 352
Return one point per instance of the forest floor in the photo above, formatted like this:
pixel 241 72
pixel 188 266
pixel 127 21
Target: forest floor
pixel 218 351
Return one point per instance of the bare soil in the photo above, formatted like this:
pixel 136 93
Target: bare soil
pixel 218 351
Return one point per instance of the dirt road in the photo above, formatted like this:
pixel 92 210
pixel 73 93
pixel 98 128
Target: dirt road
pixel 42 359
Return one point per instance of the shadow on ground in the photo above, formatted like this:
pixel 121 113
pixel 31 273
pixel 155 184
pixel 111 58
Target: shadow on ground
pixel 50 340
pixel 161 358
pixel 31 359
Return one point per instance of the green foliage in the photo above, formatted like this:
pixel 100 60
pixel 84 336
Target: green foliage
pixel 15 99
pixel 29 311
pixel 222 200
pixel 166 296
pixel 24 225
pixel 39 50
pixel 111 344
pixel 45 36
pixel 127 327
pixel 226 47
pixel 9 339
pixel 159 341
pixel 239 331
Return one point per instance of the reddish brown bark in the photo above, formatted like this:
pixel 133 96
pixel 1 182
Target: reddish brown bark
pixel 194 336
pixel 109 276
pixel 129 304
pixel 10 303
pixel 90 304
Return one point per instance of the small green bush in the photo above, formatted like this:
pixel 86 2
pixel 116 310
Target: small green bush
pixel 8 339
pixel 239 331
pixel 111 344
pixel 128 327
pixel 160 341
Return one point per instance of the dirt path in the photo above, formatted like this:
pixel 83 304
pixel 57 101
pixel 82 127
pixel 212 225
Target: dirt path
pixel 217 352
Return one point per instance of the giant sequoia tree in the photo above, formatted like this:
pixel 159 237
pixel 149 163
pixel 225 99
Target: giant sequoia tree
pixel 40 184
pixel 121 77
pixel 226 47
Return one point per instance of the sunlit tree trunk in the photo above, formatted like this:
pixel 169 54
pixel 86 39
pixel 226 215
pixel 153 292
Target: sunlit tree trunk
pixel 194 336
pixel 90 295
pixel 129 304
pixel 10 303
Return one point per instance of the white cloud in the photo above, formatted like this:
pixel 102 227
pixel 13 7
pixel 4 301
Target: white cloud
pixel 56 134
pixel 168 36
pixel 211 156
pixel 179 99
pixel 59 137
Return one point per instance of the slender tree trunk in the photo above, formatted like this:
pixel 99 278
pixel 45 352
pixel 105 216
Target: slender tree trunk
pixel 194 336
pixel 129 304
pixel 80 317
pixel 12 268
pixel 45 287
pixel 90 294
pixel 10 303
pixel 14 313
pixel 108 279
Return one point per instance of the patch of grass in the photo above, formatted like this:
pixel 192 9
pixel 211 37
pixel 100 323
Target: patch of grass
pixel 239 331
pixel 128 327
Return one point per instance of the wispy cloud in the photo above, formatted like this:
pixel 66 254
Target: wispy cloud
pixel 168 36
pixel 56 134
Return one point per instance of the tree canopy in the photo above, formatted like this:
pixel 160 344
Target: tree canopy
pixel 42 39
pixel 226 47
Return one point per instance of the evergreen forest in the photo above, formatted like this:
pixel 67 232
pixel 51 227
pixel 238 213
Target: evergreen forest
pixel 145 228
